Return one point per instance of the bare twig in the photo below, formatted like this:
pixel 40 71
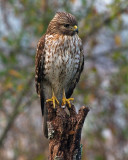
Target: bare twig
pixel 4 13
pixel 15 110
pixel 107 52
pixel 106 21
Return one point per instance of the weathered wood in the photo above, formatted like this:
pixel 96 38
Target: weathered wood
pixel 64 132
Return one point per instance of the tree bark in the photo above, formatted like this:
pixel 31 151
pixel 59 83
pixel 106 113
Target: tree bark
pixel 64 132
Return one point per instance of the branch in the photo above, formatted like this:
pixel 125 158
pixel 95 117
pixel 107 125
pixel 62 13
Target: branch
pixel 64 132
pixel 15 111
pixel 106 53
pixel 107 20
pixel 4 13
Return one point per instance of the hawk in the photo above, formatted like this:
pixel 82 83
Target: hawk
pixel 59 62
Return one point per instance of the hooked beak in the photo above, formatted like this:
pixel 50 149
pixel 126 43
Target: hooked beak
pixel 75 29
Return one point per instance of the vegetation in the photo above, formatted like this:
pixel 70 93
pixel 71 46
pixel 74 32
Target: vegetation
pixel 103 27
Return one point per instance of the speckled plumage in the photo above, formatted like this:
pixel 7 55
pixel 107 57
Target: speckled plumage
pixel 59 60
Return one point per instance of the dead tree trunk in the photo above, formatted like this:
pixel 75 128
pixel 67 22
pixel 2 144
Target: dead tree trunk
pixel 64 132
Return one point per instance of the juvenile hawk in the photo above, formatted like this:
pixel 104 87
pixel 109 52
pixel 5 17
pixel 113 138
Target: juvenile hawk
pixel 59 62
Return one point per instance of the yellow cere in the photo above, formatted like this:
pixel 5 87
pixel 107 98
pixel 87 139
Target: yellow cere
pixel 75 27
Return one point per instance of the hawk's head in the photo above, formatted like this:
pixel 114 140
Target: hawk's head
pixel 63 23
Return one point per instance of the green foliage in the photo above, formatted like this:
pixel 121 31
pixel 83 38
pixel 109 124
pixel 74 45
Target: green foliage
pixel 103 84
pixel 40 157
pixel 99 157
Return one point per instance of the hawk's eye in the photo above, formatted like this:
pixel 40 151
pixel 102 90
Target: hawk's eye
pixel 66 25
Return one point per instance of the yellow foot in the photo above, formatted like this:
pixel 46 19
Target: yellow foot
pixel 66 101
pixel 53 100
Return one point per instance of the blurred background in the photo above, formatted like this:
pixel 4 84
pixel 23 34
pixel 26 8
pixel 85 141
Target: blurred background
pixel 103 28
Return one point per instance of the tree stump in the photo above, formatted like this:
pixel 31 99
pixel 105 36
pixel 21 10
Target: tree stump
pixel 64 132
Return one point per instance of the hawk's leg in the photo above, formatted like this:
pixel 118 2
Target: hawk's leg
pixel 66 101
pixel 53 99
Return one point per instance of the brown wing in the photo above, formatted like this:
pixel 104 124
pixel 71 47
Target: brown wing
pixel 39 63
pixel 76 78
pixel 39 69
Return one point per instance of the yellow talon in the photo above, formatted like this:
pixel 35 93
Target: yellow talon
pixel 65 100
pixel 53 99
